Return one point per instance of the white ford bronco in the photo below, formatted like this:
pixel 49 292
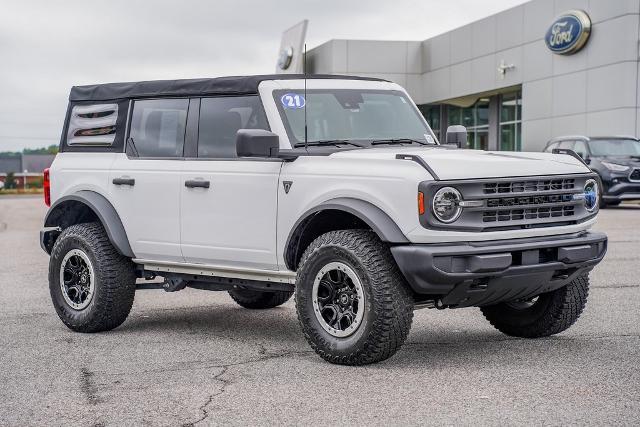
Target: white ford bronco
pixel 331 188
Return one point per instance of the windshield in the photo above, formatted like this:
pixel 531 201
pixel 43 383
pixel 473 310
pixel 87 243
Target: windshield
pixel 615 147
pixel 351 115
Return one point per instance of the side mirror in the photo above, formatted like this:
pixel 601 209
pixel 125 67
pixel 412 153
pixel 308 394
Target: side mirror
pixel 457 135
pixel 587 160
pixel 257 143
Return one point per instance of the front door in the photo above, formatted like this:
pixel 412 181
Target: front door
pixel 145 182
pixel 229 205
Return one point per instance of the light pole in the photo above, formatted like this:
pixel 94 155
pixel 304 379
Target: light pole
pixel 24 180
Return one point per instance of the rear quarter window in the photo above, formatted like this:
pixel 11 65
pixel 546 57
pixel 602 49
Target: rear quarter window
pixel 95 127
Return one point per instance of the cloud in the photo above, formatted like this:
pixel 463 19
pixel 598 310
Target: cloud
pixel 47 46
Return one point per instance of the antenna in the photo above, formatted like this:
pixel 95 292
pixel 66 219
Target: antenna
pixel 304 70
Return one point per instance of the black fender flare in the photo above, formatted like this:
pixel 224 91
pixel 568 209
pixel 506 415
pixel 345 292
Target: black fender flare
pixel 102 208
pixel 377 219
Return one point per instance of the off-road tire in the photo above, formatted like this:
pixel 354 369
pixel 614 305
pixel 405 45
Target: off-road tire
pixel 551 314
pixel 257 300
pixel 388 308
pixel 115 280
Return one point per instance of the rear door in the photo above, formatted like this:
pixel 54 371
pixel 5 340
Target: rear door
pixel 145 182
pixel 229 204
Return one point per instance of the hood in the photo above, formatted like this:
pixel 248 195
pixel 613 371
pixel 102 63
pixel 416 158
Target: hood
pixel 620 160
pixel 468 164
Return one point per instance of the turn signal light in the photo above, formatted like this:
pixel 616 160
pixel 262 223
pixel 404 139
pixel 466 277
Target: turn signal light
pixel 420 203
pixel 46 184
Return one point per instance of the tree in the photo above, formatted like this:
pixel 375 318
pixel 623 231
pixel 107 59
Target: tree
pixel 10 181
pixel 52 149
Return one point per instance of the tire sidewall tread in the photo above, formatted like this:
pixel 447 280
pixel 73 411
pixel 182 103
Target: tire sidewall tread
pixel 388 301
pixel 114 275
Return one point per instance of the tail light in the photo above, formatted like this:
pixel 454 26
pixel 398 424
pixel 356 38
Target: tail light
pixel 46 184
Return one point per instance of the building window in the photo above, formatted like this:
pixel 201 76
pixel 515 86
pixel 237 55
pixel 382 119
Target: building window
pixel 475 119
pixel 432 114
pixel 511 121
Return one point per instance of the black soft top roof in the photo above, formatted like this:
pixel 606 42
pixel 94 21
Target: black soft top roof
pixel 238 85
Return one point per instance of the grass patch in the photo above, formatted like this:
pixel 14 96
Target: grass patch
pixel 19 191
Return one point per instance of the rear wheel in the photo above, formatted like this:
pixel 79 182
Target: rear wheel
pixel 259 300
pixel 544 315
pixel 92 286
pixel 353 304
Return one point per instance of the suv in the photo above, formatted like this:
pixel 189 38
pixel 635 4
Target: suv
pixel 331 188
pixel 616 160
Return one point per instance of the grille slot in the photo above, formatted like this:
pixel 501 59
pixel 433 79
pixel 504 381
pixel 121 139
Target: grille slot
pixel 529 186
pixel 528 214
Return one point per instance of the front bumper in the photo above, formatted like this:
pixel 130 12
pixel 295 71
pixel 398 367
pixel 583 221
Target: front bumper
pixel 619 191
pixel 484 273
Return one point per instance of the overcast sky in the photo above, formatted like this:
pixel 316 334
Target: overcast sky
pixel 50 45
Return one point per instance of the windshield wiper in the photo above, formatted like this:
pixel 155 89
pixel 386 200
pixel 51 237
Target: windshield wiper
pixel 391 141
pixel 325 142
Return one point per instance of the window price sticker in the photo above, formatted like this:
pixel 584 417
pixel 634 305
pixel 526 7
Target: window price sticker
pixel 292 101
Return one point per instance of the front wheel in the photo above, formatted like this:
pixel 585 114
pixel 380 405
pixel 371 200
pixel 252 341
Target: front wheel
pixel 542 316
pixel 353 304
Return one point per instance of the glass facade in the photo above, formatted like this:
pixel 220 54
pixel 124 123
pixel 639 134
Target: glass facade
pixel 475 119
pixel 506 122
pixel 511 121
pixel 433 114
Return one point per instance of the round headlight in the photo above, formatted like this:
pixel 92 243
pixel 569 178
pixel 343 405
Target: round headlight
pixel 446 204
pixel 591 195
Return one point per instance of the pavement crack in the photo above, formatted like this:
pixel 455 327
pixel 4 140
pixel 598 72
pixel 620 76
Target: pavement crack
pixel 204 408
pixel 615 286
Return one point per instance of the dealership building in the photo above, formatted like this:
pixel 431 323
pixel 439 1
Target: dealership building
pixel 515 79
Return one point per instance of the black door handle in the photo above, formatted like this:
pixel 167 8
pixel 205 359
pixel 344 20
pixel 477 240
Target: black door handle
pixel 124 181
pixel 197 183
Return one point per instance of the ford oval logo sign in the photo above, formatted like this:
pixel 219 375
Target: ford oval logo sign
pixel 569 32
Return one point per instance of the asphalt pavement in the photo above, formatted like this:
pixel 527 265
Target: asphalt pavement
pixel 195 357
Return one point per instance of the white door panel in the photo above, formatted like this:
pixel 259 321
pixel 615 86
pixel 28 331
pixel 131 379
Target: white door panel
pixel 150 209
pixel 233 222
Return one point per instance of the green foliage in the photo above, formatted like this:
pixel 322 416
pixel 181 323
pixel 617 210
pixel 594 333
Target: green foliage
pixel 52 149
pixel 10 182
pixel 38 183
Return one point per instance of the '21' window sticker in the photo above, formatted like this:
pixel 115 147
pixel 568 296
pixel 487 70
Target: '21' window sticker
pixel 292 101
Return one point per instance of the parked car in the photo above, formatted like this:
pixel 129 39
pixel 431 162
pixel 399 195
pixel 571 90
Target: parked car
pixel 616 160
pixel 333 188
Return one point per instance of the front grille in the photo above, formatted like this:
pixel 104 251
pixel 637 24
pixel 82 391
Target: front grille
pixel 538 206
pixel 635 175
pixel 510 203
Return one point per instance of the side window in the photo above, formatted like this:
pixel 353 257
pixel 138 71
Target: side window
pixel 581 149
pixel 158 126
pixel 550 147
pixel 566 145
pixel 220 119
